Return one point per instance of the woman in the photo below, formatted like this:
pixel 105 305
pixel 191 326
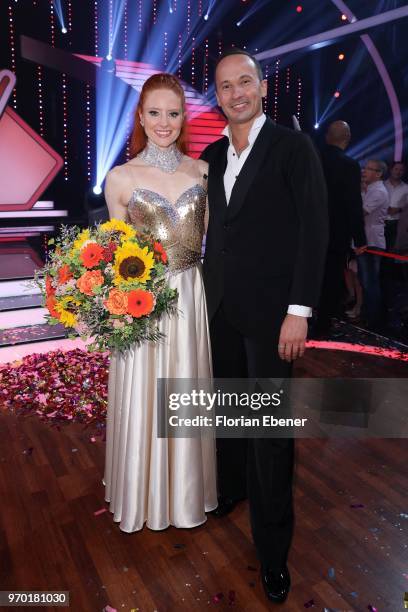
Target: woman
pixel 160 482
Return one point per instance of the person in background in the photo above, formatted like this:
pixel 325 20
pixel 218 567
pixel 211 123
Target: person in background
pixel 375 207
pixel 346 220
pixel 398 194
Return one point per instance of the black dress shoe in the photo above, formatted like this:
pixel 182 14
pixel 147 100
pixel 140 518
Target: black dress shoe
pixel 225 506
pixel 276 584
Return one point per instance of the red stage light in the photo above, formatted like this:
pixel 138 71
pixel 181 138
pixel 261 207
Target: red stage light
pixel 341 56
pixel 299 8
pixel 337 94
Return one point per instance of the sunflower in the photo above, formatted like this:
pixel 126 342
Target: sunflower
pixel 62 307
pixel 82 237
pixel 115 225
pixel 132 263
pixel 140 302
pixel 91 255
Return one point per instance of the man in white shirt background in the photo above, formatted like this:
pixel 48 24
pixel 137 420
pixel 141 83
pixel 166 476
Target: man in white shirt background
pixel 375 208
pixel 398 194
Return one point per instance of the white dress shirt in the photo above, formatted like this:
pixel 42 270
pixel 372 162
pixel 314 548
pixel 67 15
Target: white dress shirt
pixel 375 206
pixel 398 197
pixel 235 163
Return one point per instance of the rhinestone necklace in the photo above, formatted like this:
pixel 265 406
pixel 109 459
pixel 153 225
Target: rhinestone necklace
pixel 167 159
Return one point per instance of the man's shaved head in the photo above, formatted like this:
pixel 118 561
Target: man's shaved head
pixel 338 134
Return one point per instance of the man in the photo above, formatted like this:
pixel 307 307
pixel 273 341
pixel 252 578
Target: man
pixel 346 221
pixel 398 194
pixel 263 265
pixel 375 207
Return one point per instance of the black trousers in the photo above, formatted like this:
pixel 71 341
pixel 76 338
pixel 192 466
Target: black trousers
pixel 333 287
pixel 260 469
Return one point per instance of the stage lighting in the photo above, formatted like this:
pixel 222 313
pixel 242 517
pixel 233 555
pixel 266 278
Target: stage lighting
pixel 109 57
pixel 64 30
pixel 337 94
pixel 206 17
pixel 97 189
pixel 299 8
pixel 238 23
pixel 341 57
pixel 171 10
pixel 344 17
pixel 316 126
pixel 108 65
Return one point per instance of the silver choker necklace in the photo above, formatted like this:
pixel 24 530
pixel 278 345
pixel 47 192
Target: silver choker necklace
pixel 167 159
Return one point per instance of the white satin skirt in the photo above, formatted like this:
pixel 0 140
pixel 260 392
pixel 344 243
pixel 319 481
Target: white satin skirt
pixel 160 481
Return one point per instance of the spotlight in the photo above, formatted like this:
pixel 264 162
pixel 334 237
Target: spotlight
pixel 97 189
pixel 109 57
pixel 341 57
pixel 171 10
pixel 299 8
pixel 337 94
pixel 238 23
pixel 316 126
pixel 64 30
pixel 344 17
pixel 206 17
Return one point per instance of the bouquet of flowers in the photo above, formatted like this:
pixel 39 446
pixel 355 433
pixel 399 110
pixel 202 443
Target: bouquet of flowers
pixel 108 283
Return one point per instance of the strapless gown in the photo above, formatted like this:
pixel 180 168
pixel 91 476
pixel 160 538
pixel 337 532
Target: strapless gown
pixel 152 480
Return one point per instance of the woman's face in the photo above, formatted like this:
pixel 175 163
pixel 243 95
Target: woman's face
pixel 162 116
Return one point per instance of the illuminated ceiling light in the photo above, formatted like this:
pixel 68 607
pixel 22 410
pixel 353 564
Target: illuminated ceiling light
pixel 97 190
pixel 341 56
pixel 299 8
pixel 336 94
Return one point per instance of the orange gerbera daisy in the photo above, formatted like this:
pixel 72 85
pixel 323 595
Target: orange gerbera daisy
pixel 50 303
pixel 49 289
pixel 91 255
pixel 159 252
pixel 140 302
pixel 64 274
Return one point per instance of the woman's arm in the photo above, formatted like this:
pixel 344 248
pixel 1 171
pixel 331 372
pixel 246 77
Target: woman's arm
pixel 114 187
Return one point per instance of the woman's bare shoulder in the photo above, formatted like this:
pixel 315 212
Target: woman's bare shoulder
pixel 198 166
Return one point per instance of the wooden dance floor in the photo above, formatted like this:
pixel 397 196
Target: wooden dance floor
pixel 349 550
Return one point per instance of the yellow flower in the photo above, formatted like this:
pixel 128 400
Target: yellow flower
pixel 115 225
pixel 83 237
pixel 67 317
pixel 132 263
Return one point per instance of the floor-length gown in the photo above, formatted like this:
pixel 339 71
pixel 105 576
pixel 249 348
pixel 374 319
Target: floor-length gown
pixel 160 481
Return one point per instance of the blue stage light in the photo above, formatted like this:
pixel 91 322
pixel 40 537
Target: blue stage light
pixel 206 17
pixel 97 189
pixel 64 30
pixel 238 23
pixel 316 126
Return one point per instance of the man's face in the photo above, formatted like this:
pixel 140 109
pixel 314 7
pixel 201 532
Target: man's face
pixel 371 173
pixel 238 88
pixel 397 172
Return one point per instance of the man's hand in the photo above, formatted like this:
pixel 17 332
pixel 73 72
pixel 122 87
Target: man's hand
pixel 292 337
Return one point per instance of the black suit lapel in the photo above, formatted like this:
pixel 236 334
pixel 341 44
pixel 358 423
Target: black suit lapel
pixel 249 170
pixel 216 191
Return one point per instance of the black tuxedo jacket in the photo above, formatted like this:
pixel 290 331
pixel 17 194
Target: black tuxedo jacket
pixel 343 179
pixel 266 249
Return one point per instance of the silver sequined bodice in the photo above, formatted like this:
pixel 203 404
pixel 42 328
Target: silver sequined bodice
pixel 179 226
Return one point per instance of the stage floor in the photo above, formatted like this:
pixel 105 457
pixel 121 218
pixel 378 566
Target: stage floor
pixel 349 550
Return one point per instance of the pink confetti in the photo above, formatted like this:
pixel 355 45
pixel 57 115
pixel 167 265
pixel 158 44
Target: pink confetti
pixel 218 597
pixel 101 511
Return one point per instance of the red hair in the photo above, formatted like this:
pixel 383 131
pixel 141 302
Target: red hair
pixel 162 80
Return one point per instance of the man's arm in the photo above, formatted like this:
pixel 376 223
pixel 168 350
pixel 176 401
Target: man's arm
pixel 308 189
pixel 354 204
